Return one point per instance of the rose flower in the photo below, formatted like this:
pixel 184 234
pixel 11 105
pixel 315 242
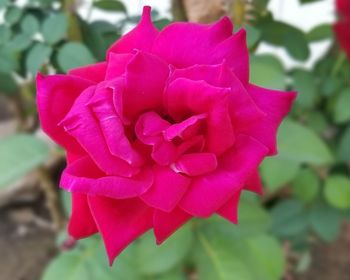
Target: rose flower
pixel 342 27
pixel 166 129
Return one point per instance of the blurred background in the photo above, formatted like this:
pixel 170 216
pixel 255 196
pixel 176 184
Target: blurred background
pixel 299 229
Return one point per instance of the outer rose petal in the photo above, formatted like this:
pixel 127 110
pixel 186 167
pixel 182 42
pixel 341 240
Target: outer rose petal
pixel 208 193
pixel 55 97
pixel 80 123
pixel 141 37
pixel 81 223
pixel 343 7
pixel 93 72
pixel 342 30
pixel 120 222
pixel 165 224
pixel 167 189
pixel 276 104
pixel 117 64
pixel 229 210
pixel 187 44
pixel 83 176
pixel 254 183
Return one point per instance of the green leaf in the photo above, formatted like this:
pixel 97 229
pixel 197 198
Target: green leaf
pixel 13 15
pixel 215 259
pixel 4 3
pixel 20 154
pixel 54 28
pixel 306 185
pixel 341 110
pixel 304 83
pixel 325 221
pixel 253 35
pixel 110 5
pixel 319 33
pixel 88 261
pixel 37 56
pixel 8 60
pixel 73 55
pixel 29 25
pixel 5 34
pixel 153 259
pixel 276 172
pixel 20 42
pixel 281 34
pixel 344 146
pixel 300 144
pixel 337 191
pixel 267 71
pixel 288 218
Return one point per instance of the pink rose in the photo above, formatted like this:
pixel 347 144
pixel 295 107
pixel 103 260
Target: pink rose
pixel 166 129
pixel 342 26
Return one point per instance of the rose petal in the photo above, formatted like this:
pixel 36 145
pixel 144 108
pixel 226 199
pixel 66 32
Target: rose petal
pixel 120 222
pixel 342 30
pixel 141 37
pixel 117 64
pixel 165 224
pixel 55 97
pixel 254 183
pixel 146 76
pixel 187 44
pixel 229 210
pixel 208 193
pixel 83 176
pixel 167 189
pixel 276 104
pixel 164 153
pixel 93 72
pixel 79 123
pixel 81 223
pixel 196 164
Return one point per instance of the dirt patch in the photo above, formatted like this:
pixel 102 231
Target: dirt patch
pixel 26 243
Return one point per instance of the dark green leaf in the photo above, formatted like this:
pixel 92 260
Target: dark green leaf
pixel 20 42
pixel 5 34
pixel 110 5
pixel 7 84
pixel 305 84
pixel 288 218
pixel 73 55
pixel 344 146
pixel 8 60
pixel 20 154
pixel 319 33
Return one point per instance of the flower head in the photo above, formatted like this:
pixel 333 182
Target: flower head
pixel 342 27
pixel 166 129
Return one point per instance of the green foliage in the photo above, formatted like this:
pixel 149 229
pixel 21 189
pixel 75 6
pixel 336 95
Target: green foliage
pixel 54 28
pixel 337 191
pixel 23 151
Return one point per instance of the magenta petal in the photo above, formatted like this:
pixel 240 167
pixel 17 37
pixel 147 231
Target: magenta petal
pixel 196 164
pixel 141 37
pixel 83 176
pixel 55 97
pixel 120 222
pixel 186 44
pixel 79 123
pixel 229 210
pixel 81 223
pixel 93 72
pixel 186 128
pixel 254 183
pixel 164 153
pixel 167 189
pixel 146 77
pixel 165 224
pixel 192 145
pixel 112 127
pixel 276 104
pixel 208 193
pixel 117 64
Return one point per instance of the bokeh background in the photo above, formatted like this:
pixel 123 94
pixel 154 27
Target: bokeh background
pixel 299 229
